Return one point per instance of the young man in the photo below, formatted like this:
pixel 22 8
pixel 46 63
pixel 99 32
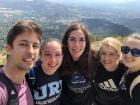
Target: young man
pixel 23 42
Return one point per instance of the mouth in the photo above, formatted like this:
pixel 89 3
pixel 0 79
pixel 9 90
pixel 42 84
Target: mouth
pixel 29 60
pixel 107 62
pixel 76 51
pixel 129 60
pixel 52 66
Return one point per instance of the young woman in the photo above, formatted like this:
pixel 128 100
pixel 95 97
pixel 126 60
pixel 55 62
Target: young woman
pixel 109 72
pixel 77 71
pixel 130 82
pixel 43 79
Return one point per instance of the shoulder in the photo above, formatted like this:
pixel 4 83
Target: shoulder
pixel 135 86
pixel 136 94
pixel 3 94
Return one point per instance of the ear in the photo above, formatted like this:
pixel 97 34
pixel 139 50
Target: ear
pixel 8 49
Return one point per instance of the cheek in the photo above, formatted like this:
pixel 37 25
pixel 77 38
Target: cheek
pixel 45 64
pixel 70 44
pixel 61 60
pixel 102 57
pixel 115 58
pixel 83 45
pixel 138 61
pixel 37 52
pixel 44 60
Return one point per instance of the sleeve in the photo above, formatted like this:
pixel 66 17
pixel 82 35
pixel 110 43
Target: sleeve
pixel 3 94
pixel 136 95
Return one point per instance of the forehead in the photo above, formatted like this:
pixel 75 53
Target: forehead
pixel 28 36
pixel 52 44
pixel 77 33
pixel 132 43
pixel 107 48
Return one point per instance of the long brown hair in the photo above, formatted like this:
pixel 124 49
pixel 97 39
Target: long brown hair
pixel 85 61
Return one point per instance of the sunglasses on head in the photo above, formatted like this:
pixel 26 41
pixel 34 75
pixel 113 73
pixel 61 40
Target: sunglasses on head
pixel 134 52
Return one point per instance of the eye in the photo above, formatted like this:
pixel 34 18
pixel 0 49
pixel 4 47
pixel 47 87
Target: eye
pixel 47 54
pixel 111 54
pixel 103 53
pixel 58 54
pixel 36 46
pixel 82 39
pixel 72 39
pixel 23 44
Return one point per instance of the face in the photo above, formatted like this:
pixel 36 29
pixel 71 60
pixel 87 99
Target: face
pixel 76 44
pixel 133 63
pixel 109 57
pixel 51 57
pixel 25 50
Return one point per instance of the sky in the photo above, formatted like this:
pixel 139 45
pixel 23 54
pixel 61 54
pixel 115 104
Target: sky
pixel 95 1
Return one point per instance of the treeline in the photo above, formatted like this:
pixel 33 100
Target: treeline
pixel 98 27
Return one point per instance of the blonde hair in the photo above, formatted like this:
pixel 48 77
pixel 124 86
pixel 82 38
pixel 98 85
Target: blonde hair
pixel 135 36
pixel 112 42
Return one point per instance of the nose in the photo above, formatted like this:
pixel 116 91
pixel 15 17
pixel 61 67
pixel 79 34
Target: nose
pixel 106 57
pixel 53 58
pixel 128 54
pixel 76 43
pixel 31 49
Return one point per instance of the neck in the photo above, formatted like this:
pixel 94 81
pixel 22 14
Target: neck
pixel 113 68
pixel 133 69
pixel 14 74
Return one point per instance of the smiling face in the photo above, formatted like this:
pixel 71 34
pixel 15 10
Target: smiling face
pixel 133 63
pixel 76 44
pixel 51 57
pixel 24 51
pixel 109 57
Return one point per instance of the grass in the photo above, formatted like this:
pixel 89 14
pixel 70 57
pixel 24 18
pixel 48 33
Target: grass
pixel 2 57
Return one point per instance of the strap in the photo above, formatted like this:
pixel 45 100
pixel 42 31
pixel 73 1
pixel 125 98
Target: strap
pixel 133 84
pixel 12 92
pixel 30 77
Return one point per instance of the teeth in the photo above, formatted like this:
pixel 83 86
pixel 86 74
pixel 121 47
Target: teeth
pixel 129 60
pixel 52 65
pixel 107 62
pixel 28 60
pixel 76 50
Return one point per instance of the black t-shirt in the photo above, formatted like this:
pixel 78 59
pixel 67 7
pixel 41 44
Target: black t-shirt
pixel 47 88
pixel 125 84
pixel 107 85
pixel 77 90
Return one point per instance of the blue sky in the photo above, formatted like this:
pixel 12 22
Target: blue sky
pixel 95 1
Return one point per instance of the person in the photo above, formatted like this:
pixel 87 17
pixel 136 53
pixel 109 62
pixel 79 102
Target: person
pixel 130 82
pixel 47 85
pixel 23 42
pixel 77 69
pixel 109 71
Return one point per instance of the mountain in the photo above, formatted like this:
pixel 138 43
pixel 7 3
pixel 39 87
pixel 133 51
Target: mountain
pixel 98 27
pixel 55 17
pixel 41 8
pixel 105 27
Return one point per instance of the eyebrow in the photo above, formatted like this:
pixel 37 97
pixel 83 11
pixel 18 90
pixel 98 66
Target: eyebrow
pixel 76 37
pixel 26 41
pixel 23 40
